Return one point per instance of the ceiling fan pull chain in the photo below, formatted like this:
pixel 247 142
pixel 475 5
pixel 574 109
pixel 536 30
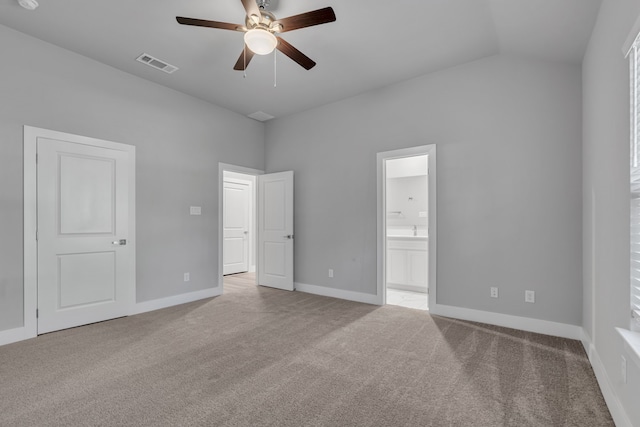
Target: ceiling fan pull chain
pixel 275 69
pixel 244 59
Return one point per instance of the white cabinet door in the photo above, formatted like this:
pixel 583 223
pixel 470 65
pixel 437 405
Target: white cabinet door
pixel 84 263
pixel 417 269
pixel 397 266
pixel 275 230
pixel 236 197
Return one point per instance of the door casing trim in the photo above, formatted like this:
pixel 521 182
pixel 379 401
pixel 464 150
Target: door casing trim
pixel 30 205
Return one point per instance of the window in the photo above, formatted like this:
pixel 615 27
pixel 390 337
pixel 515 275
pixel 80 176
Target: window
pixel 634 62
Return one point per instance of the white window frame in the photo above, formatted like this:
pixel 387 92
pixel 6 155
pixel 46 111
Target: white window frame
pixel 634 175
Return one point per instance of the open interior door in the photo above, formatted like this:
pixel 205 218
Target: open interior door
pixel 275 230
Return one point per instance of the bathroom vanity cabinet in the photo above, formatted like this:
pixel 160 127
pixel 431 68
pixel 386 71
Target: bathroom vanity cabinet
pixel 407 263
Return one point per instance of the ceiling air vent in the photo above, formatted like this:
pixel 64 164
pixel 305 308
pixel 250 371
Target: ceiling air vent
pixel 156 63
pixel 260 116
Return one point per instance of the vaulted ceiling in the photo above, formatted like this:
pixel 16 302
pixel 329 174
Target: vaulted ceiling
pixel 372 44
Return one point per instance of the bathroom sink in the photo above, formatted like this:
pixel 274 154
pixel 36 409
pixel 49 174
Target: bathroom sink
pixel 405 237
pixel 402 233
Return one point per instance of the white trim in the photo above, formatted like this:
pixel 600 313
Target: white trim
pixel 30 140
pixel 157 304
pixel 430 151
pixel 337 293
pixel 30 247
pixel 631 38
pixel 619 415
pixel 546 327
pixel 222 167
pixel 13 335
pixel 631 341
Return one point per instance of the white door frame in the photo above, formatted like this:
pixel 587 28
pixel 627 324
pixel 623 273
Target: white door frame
pixel 381 159
pixel 222 167
pixel 30 141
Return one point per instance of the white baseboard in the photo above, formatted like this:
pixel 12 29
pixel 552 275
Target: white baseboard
pixel 336 293
pixel 620 417
pixel 157 304
pixel 13 335
pixel 516 322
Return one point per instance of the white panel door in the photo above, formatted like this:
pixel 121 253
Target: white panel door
pixel 235 249
pixel 275 230
pixel 83 259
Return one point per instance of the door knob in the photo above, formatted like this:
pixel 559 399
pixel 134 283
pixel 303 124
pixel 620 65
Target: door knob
pixel 289 236
pixel 121 242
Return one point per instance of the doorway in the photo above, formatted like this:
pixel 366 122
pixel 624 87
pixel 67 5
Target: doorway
pixel 273 226
pixel 237 223
pixel 406 227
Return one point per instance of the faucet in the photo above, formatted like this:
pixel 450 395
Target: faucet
pixel 415 230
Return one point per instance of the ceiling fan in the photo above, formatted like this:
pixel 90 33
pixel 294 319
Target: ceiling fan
pixel 261 28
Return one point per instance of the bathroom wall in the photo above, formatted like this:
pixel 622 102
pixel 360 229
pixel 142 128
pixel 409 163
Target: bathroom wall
pixel 408 195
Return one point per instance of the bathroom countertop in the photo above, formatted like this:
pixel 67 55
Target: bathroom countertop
pixel 400 237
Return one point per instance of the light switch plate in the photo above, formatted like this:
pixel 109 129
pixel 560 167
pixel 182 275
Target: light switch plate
pixel 195 210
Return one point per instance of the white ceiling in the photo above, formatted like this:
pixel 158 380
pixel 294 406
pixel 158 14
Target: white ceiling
pixel 372 44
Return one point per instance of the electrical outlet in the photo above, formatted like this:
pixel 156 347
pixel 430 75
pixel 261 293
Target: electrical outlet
pixel 624 370
pixel 331 273
pixel 187 277
pixel 530 296
pixel 494 292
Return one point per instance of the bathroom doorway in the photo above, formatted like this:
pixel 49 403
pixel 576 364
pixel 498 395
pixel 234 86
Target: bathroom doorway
pixel 406 227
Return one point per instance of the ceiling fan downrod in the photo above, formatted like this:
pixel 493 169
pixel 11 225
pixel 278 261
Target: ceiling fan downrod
pixel 263 4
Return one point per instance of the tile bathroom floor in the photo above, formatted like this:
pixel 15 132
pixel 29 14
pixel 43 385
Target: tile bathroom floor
pixel 408 299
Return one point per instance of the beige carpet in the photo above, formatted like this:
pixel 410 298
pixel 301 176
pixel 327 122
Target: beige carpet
pixel 264 357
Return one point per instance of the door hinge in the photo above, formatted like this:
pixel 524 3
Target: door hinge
pixel 36 235
pixel 36 158
pixel 37 313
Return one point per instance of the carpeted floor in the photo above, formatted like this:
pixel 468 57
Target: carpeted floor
pixel 263 357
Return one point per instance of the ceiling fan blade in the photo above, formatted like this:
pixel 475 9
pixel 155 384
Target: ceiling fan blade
pixel 293 53
pixel 309 19
pixel 245 57
pixel 210 24
pixel 251 7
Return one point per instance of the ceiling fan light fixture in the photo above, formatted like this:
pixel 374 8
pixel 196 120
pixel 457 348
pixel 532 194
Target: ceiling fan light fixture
pixel 261 42
pixel 28 4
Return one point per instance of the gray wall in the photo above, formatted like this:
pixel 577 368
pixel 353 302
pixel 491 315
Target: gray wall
pixel 508 132
pixel 179 141
pixel 606 194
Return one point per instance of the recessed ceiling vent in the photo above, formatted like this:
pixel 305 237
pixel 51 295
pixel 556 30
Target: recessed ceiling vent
pixel 156 63
pixel 260 116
